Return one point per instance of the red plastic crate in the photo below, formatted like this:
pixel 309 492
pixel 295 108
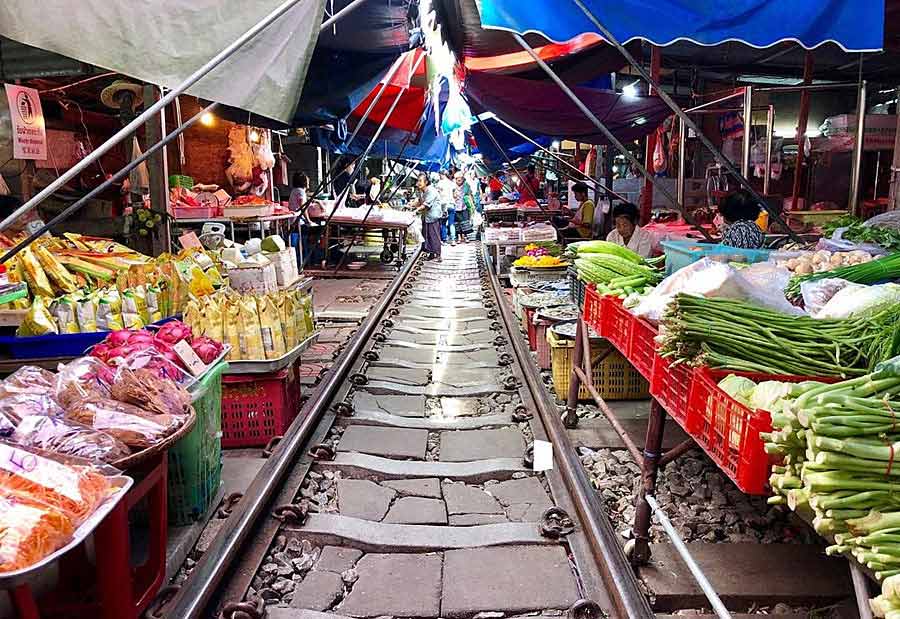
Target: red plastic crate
pixel 615 324
pixel 256 407
pixel 531 329
pixel 670 385
pixel 729 431
pixel 642 346
pixel 593 308
pixel 542 346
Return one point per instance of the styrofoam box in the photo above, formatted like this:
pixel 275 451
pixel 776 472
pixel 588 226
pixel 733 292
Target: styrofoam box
pixel 285 263
pixel 254 280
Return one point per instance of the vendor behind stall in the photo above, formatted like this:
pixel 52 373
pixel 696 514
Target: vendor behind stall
pixel 628 233
pixel 531 184
pixel 580 225
pixel 740 210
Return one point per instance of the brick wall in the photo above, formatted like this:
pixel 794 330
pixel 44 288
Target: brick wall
pixel 205 148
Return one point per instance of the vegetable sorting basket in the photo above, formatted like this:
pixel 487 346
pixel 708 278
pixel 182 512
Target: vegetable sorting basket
pixel 195 462
pixel 729 431
pixel 613 377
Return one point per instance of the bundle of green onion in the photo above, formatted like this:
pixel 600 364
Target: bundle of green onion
pixel 614 269
pixel 872 272
pixel 735 335
pixel 840 444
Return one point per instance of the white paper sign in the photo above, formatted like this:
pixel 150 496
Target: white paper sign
pixel 543 456
pixel 28 132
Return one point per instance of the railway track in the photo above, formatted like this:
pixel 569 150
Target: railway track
pixel 407 488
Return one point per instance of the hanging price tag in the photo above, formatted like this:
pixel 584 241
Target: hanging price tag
pixel 190 359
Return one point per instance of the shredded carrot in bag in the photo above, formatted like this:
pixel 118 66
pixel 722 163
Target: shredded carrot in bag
pixel 29 532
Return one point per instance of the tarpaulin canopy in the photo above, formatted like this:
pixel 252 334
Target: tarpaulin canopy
pixel 542 108
pixel 165 41
pixel 410 87
pixel 853 24
pixel 512 144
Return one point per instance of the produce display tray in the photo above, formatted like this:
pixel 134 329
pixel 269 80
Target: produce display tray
pixel 273 365
pixel 122 483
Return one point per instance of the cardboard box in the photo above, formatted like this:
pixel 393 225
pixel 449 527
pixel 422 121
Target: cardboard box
pixel 254 280
pixel 285 262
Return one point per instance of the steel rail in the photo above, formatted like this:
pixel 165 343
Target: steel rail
pixel 616 573
pixel 191 601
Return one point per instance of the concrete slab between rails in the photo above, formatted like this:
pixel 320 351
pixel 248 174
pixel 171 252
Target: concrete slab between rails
pixel 599 434
pixel 374 418
pixel 371 536
pixel 385 468
pixel 745 574
pixel 735 616
pixel 435 390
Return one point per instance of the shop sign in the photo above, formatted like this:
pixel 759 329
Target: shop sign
pixel 28 132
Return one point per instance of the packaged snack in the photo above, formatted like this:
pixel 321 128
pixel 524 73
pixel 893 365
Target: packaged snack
pixel 299 315
pixel 250 334
pixel 231 319
pixel 68 437
pixel 270 325
pixel 59 277
pixel 308 313
pixel 285 304
pixel 35 277
pixel 193 316
pixel 16 406
pixel 109 310
pixel 85 377
pixel 30 532
pixel 76 491
pixel 86 312
pixel 38 320
pixel 131 425
pixel 154 301
pixel 213 326
pixel 28 379
pixel 142 387
pixel 63 309
pixel 134 308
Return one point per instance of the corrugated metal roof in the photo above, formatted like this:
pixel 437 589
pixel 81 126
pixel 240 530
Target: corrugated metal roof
pixel 18 61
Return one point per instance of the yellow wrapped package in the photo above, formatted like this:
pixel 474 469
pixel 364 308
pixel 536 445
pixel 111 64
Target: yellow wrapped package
pixel 285 303
pixel 134 308
pixel 38 320
pixel 38 284
pixel 251 341
pixel 270 323
pixel 231 325
pixel 299 318
pixel 154 303
pixel 59 277
pixel 109 310
pixel 306 302
pixel 212 318
pixel 192 316
pixel 86 312
pixel 63 311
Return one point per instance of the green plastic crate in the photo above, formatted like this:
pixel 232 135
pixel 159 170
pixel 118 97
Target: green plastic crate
pixel 179 180
pixel 195 462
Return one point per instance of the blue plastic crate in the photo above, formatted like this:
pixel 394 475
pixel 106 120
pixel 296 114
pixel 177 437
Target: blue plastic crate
pixel 680 254
pixel 54 345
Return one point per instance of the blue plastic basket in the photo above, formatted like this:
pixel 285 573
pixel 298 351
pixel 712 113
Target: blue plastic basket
pixel 61 345
pixel 680 254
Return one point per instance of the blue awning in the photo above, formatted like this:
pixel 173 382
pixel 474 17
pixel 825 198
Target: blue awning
pixel 855 25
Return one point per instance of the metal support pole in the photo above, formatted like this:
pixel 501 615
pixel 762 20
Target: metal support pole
pixel 107 183
pixel 646 200
pixel 770 129
pixel 860 589
pixel 894 195
pixel 717 606
pixel 154 109
pixel 503 152
pixel 682 151
pixel 803 119
pixel 856 169
pixel 570 416
pixel 656 427
pixel 561 160
pixel 610 137
pixel 748 131
pixel 720 158
pixel 381 88
pixel 158 168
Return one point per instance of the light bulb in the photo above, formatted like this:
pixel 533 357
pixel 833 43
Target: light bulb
pixel 254 135
pixel 207 119
pixel 630 90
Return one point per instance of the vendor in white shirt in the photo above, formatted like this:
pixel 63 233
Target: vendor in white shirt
pixel 627 233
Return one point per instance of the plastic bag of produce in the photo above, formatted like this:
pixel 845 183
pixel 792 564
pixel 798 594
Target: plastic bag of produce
pixel 28 379
pixel 231 320
pixel 143 387
pixel 270 325
pixel 18 405
pixel 128 423
pixel 285 303
pixel 33 272
pixel 85 377
pixel 154 300
pixel 134 308
pixel 251 342
pixel 38 320
pixel 25 476
pixel 67 437
pixel 213 325
pixel 30 532
pixel 859 300
pixel 817 293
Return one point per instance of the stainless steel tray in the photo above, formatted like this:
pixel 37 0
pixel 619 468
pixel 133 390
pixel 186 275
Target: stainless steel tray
pixel 273 365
